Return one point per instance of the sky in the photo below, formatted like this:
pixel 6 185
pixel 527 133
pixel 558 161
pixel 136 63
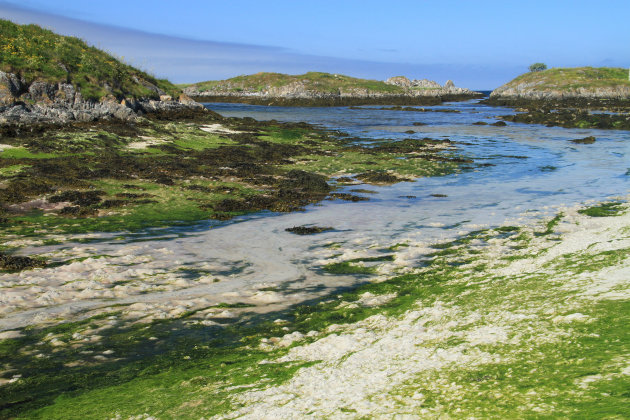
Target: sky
pixel 478 44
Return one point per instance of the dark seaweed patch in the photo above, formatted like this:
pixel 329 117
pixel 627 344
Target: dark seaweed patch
pixel 346 197
pixel 585 140
pixel 380 177
pixel 79 198
pixel 307 230
pixel 19 263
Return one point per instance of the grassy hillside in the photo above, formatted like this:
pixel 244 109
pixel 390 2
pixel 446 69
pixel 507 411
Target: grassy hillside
pixel 35 53
pixel 574 78
pixel 316 81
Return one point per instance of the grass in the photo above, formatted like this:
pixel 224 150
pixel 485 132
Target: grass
pixel 575 78
pixel 37 54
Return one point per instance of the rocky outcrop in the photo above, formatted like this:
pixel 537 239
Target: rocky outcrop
pixel 426 87
pixel 299 93
pixel 60 103
pixel 530 91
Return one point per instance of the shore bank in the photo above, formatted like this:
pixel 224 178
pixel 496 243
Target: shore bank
pixel 336 100
pixel 480 330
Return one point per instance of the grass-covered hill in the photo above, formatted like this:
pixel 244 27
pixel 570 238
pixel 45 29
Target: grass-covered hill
pixel 568 83
pixel 575 78
pixel 324 89
pixel 311 81
pixel 36 54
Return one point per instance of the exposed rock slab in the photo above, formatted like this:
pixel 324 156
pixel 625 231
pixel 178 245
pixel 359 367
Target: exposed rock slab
pixel 59 103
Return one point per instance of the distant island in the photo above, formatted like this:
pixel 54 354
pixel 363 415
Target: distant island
pixel 579 86
pixel 325 89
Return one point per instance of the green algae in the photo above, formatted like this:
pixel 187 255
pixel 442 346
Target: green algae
pixel 12 170
pixel 613 208
pixel 347 267
pixel 185 174
pixel 192 371
pixel 541 379
pixel 19 153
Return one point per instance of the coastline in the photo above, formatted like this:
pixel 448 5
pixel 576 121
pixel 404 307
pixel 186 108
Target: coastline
pixel 337 100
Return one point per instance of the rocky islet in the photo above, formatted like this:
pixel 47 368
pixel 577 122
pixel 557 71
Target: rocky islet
pixel 323 89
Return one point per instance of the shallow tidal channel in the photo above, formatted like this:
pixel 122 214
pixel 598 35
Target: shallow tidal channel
pixel 253 263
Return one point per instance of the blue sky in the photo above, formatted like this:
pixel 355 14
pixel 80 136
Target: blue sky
pixel 479 44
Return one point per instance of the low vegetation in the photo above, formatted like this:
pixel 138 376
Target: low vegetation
pixel 574 78
pixel 37 54
pixel 538 67
pixel 314 81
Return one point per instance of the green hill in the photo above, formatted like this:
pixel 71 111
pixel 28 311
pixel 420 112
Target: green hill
pixel 36 54
pixel 311 81
pixel 574 78
pixel 579 83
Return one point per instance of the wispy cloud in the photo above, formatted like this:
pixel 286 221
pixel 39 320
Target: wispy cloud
pixel 186 60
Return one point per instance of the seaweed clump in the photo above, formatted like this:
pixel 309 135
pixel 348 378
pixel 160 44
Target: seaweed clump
pixel 613 208
pixel 305 181
pixel 380 177
pixel 347 197
pixel 570 117
pixel 19 263
pixel 79 198
pixel 307 230
pixel 585 140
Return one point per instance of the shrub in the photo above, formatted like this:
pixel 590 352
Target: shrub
pixel 538 67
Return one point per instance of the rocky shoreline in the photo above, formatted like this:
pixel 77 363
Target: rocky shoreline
pixel 558 101
pixel 24 104
pixel 334 100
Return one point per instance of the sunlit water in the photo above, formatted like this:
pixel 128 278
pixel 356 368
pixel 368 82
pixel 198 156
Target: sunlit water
pixel 536 170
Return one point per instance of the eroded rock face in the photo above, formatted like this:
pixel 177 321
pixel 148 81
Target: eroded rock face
pixel 532 91
pixel 60 103
pixel 9 88
pixel 401 81
pixel 425 83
